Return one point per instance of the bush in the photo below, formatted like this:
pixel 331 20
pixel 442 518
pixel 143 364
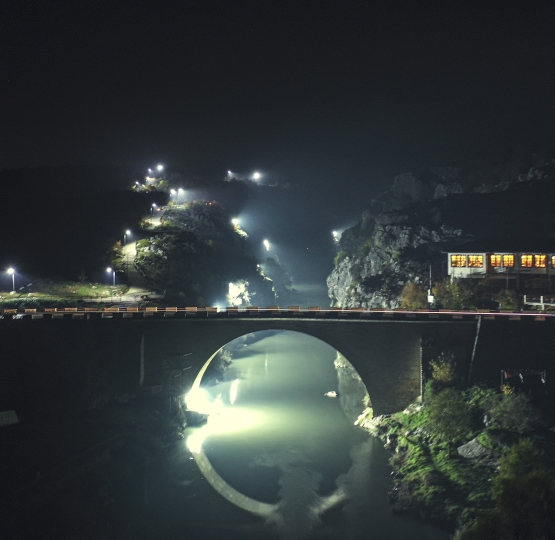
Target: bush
pixel 514 412
pixel 443 369
pixel 365 248
pixel 339 257
pixel 454 294
pixel 413 296
pixel 449 416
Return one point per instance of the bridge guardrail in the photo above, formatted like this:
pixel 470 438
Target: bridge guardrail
pixel 276 311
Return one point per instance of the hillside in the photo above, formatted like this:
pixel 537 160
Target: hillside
pixel 407 228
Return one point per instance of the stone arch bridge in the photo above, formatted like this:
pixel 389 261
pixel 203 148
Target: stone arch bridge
pixel 388 353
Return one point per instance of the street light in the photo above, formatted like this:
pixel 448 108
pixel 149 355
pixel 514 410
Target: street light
pixel 335 236
pixel 266 245
pixel 108 270
pixel 256 175
pixel 125 235
pixel 152 208
pixel 160 168
pixel 235 221
pixel 11 271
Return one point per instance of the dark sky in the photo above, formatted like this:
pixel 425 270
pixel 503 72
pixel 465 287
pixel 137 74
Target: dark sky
pixel 337 93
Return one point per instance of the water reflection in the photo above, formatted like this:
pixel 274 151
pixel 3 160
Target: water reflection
pixel 279 447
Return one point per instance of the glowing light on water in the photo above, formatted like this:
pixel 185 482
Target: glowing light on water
pixel 195 440
pixel 233 391
pixel 197 400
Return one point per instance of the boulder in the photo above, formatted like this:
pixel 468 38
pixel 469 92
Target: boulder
pixel 473 450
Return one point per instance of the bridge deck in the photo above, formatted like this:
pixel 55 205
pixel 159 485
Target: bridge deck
pixel 271 312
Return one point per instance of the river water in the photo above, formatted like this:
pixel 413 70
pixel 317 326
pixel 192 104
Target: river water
pixel 289 455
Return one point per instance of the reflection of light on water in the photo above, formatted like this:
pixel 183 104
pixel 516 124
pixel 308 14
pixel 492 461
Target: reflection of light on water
pixel 194 441
pixel 224 422
pixel 233 391
pixel 232 420
pixel 197 400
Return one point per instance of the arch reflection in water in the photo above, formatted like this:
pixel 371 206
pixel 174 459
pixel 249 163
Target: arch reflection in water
pixel 275 445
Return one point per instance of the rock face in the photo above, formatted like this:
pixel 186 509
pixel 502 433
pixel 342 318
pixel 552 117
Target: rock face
pixel 404 232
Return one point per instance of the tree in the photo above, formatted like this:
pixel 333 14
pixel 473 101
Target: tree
pixel 448 416
pixel 454 294
pixel 524 496
pixel 413 296
pixel 513 411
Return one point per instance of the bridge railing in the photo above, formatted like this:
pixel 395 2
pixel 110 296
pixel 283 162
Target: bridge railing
pixel 312 312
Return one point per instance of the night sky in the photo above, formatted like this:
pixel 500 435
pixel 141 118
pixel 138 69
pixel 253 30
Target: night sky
pixel 335 94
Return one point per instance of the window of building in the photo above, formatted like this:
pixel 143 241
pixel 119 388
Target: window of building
pixel 476 261
pixel 526 261
pixel 553 261
pixel 458 261
pixel 539 261
pixel 495 260
pixel 508 261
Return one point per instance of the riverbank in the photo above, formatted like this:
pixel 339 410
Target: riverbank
pixel 447 484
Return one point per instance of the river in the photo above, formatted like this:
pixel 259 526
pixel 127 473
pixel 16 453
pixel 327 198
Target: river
pixel 289 455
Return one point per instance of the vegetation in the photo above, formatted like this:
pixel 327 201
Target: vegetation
pixel 464 489
pixel 196 254
pixel 454 294
pixel 524 495
pixel 443 369
pixel 448 417
pixel 365 248
pixel 339 257
pixel 413 296
pixel 507 300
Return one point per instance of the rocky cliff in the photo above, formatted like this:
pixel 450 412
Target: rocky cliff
pixel 404 231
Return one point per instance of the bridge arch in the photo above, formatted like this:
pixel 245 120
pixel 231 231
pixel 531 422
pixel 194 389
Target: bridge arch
pixel 385 354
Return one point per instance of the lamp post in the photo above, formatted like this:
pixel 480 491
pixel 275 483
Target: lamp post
pixel 125 235
pixel 11 271
pixel 108 270
pixel 152 209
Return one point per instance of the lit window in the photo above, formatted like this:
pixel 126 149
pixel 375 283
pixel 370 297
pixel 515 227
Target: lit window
pixel 553 261
pixel 539 261
pixel 508 261
pixel 495 260
pixel 476 261
pixel 458 261
pixel 526 261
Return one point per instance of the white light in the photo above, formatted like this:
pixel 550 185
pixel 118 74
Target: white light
pixel 149 170
pixel 127 231
pixel 172 191
pixel 194 442
pixel 334 234
pixel 235 221
pixel 229 172
pixel 108 269
pixel 138 183
pixel 256 175
pixel 154 205
pixel 180 190
pixel 10 271
pixel 266 245
pixel 197 400
pixel 233 391
pixel 160 168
